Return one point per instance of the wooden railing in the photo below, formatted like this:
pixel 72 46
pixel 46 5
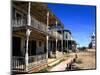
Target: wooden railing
pixel 37 60
pixel 18 63
pixel 35 24
pixel 19 22
pixel 38 25
pixel 59 36
pixel 53 33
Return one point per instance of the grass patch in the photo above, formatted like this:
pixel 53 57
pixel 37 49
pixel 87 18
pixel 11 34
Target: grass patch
pixel 78 61
pixel 44 70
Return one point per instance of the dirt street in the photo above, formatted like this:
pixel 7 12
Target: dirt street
pixel 86 60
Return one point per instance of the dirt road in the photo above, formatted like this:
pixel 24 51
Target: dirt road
pixel 86 60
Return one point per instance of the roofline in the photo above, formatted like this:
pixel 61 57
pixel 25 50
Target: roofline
pixel 68 31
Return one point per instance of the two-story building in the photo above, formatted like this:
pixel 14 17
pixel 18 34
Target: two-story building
pixel 34 35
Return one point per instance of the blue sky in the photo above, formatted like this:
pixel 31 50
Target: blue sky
pixel 79 19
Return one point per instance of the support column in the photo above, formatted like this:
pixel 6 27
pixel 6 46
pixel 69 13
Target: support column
pixel 56 36
pixel 52 47
pixel 62 40
pixel 47 37
pixel 72 45
pixel 29 15
pixel 67 41
pixel 28 31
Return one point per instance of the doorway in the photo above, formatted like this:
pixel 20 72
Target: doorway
pixel 16 46
pixel 32 47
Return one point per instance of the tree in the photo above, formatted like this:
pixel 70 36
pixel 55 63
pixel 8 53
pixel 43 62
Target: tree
pixel 82 48
pixel 90 45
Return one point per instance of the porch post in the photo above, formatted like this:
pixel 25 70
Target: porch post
pixel 62 40
pixel 47 37
pixel 51 47
pixel 28 31
pixel 29 15
pixel 67 41
pixel 56 36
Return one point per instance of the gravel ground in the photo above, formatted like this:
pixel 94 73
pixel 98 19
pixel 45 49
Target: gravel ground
pixel 87 60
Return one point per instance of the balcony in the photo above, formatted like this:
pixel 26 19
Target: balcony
pixel 19 22
pixel 38 25
pixel 59 36
pixel 53 33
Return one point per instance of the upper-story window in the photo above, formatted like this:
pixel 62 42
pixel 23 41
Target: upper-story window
pixel 18 14
pixel 19 17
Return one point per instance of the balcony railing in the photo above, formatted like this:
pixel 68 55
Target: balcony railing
pixel 18 63
pixel 36 24
pixel 19 22
pixel 53 33
pixel 59 36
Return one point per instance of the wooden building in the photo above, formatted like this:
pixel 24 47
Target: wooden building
pixel 34 36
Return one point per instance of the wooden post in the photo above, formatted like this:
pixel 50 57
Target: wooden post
pixel 67 41
pixel 56 36
pixel 52 47
pixel 28 31
pixel 29 15
pixel 47 37
pixel 62 40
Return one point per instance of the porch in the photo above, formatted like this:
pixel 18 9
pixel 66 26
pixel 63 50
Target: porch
pixel 23 59
pixel 18 62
